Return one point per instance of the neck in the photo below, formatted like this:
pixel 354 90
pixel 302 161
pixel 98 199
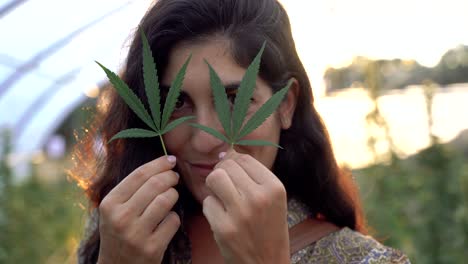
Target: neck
pixel 204 247
pixel 196 223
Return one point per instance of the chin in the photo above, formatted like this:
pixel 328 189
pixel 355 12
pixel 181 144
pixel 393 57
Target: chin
pixel 197 192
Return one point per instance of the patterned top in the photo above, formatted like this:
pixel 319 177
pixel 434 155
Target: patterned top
pixel 348 246
pixel 342 246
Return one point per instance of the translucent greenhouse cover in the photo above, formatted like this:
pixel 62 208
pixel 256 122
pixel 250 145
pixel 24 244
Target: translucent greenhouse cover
pixel 47 54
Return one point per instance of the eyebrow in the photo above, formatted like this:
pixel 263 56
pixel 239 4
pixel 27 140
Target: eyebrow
pixel 232 86
pixel 229 87
pixel 165 90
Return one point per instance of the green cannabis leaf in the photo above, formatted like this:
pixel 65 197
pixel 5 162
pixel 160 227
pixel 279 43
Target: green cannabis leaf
pixel 232 122
pixel 159 124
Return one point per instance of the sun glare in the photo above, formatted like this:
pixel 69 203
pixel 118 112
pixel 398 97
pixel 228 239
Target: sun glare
pixel 332 33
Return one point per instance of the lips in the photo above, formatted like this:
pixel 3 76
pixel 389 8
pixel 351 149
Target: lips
pixel 202 169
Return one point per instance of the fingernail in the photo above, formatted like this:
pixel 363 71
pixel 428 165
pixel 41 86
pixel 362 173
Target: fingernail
pixel 178 176
pixel 171 159
pixel 221 155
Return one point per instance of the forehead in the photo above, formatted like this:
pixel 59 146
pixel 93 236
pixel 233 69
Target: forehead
pixel 215 51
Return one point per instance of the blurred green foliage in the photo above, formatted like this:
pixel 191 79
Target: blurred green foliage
pixel 40 221
pixel 397 73
pixel 418 204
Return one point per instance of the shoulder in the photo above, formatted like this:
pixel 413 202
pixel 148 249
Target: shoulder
pixel 348 246
pixel 90 228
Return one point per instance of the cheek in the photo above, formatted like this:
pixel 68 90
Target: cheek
pixel 268 131
pixel 176 139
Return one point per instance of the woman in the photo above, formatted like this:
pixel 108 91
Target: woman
pixel 205 203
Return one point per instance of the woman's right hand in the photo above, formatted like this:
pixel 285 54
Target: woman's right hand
pixel 135 221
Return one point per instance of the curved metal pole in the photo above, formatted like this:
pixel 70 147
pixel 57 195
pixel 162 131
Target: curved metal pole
pixel 43 54
pixel 29 114
pixel 10 6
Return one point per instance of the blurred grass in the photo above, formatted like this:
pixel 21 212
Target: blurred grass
pixel 40 221
pixel 43 223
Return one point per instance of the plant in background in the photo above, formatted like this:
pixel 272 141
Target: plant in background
pixel 232 121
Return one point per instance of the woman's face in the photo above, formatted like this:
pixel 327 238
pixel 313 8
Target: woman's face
pixel 196 151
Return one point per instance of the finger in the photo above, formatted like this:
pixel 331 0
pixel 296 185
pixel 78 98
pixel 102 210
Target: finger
pixel 255 169
pixel 153 187
pixel 214 212
pixel 221 185
pixel 159 208
pixel 226 155
pixel 241 180
pixel 128 186
pixel 165 231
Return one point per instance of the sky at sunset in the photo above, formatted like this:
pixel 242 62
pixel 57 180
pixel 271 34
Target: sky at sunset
pixel 331 33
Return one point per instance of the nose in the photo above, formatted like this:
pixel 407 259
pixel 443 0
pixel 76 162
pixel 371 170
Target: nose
pixel 203 142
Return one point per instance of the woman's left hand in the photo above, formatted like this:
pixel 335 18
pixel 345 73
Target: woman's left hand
pixel 247 211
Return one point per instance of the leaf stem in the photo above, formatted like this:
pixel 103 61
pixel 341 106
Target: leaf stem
pixel 162 143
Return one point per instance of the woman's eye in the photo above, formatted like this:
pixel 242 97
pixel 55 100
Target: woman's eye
pixel 180 103
pixel 183 106
pixel 232 98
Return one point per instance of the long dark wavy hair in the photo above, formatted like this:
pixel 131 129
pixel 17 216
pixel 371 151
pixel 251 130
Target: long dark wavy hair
pixel 307 166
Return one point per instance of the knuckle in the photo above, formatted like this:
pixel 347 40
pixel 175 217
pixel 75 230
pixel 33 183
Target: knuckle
pixel 278 190
pixel 227 163
pixel 211 178
pixel 106 206
pixel 207 201
pixel 140 171
pixel 174 194
pixel 228 232
pixel 151 250
pixel 215 176
pixel 245 216
pixel 175 176
pixel 119 226
pixel 243 158
pixel 163 201
pixel 121 220
pixel 174 219
pixel 261 201
pixel 132 239
pixel 172 177
pixel 156 183
pixel 132 243
pixel 167 199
